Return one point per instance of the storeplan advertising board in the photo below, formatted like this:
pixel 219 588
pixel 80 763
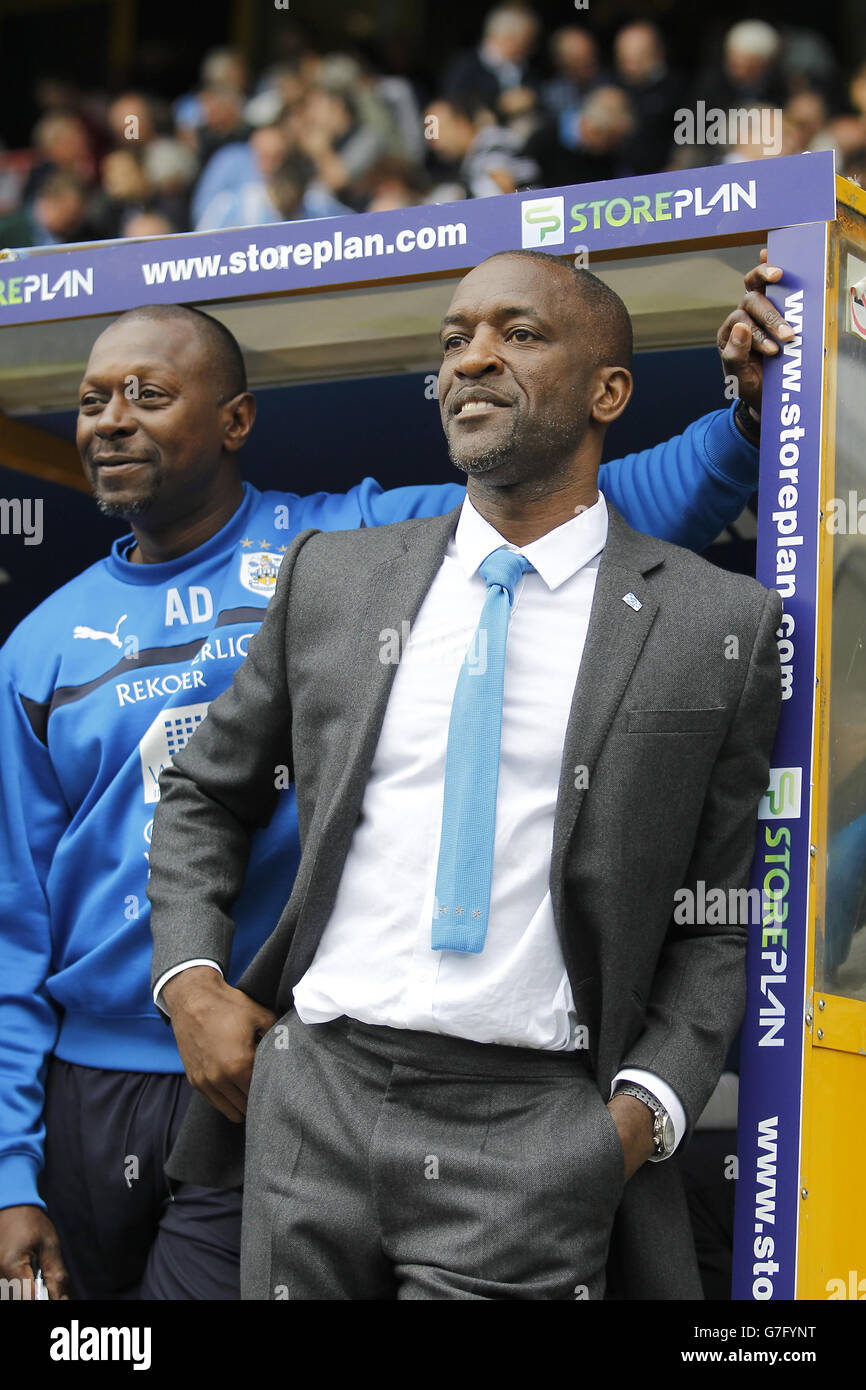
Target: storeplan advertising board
pixel 795 194
pixel 768 1145
pixel 413 242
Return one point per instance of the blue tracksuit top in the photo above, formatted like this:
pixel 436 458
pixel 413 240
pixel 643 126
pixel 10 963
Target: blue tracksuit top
pixel 109 677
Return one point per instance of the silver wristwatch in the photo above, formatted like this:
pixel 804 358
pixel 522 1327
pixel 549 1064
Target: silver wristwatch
pixel 664 1138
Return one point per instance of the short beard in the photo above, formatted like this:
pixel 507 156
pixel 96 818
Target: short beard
pixel 480 464
pixel 137 507
pixel 554 444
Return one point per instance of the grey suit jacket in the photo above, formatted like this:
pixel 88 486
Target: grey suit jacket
pixel 674 722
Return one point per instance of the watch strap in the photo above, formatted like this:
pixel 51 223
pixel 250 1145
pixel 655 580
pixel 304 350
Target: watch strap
pixel 749 422
pixel 661 1118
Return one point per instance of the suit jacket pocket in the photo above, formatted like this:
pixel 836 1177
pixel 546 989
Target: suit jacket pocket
pixel 676 721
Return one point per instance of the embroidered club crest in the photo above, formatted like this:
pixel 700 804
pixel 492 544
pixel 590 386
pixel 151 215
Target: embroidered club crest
pixel 259 570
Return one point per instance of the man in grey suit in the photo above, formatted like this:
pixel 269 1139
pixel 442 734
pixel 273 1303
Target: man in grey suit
pixel 515 732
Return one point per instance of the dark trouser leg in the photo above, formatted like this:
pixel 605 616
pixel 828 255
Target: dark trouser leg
pixel 382 1163
pixel 710 1191
pixel 100 1183
pixel 310 1225
pixel 108 1134
pixel 196 1251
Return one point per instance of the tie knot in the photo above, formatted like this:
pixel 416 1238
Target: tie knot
pixel 504 567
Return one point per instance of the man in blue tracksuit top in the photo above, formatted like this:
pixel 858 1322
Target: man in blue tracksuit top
pixel 99 687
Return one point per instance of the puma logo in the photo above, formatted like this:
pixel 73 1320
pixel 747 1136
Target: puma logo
pixel 112 637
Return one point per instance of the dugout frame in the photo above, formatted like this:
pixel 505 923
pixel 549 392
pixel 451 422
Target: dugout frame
pixel 372 302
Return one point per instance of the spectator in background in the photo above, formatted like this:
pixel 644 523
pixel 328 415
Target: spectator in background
pixel 222 122
pixel 601 137
pixel 385 103
pixel 125 188
pixel 52 93
pixel 171 168
pixel 340 72
pixel 293 193
pixel 327 128
pixel 58 212
pixel 847 136
pixel 62 142
pixel 141 224
pixel 853 161
pixel 574 54
pixel 399 97
pixel 809 65
pixel 857 89
pixel 750 74
pixel 239 195
pixel 362 132
pixel 231 167
pixel 224 68
pixel 501 60
pixel 227 68
pixel 522 112
pixel 131 120
pixel 766 135
pixel 282 87
pixel 232 190
pixel 806 114
pixel 653 90
pixel 483 158
pixel 247 197
pixel 286 187
pixel 393 183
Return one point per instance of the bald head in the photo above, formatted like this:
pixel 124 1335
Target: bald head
pixel 217 349
pixel 596 304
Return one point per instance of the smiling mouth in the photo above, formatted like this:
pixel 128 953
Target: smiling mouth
pixel 470 408
pixel 119 463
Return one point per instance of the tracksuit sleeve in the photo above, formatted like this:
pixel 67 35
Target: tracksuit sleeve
pixel 33 815
pixel 689 488
pixel 380 508
pixel 685 490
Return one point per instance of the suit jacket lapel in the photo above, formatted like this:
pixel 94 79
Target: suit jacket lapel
pixel 389 595
pixel 396 588
pixel 614 641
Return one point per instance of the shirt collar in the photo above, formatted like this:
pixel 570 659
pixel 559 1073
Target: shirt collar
pixel 556 556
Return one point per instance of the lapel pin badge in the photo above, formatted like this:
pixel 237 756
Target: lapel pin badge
pixel 632 601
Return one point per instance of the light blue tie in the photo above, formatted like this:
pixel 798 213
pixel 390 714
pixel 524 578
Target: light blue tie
pixel 462 905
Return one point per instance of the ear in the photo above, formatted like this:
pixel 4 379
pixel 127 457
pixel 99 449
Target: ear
pixel 614 387
pixel 238 418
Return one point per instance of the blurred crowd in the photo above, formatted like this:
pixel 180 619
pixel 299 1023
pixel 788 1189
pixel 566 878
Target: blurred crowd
pixel 318 134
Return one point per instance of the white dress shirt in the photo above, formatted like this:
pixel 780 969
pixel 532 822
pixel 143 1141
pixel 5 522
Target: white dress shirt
pixel 374 961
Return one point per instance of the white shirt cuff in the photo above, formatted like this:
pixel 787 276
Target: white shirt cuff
pixel 175 970
pixel 664 1093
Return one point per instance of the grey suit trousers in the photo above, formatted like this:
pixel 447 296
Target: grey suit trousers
pixel 387 1164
